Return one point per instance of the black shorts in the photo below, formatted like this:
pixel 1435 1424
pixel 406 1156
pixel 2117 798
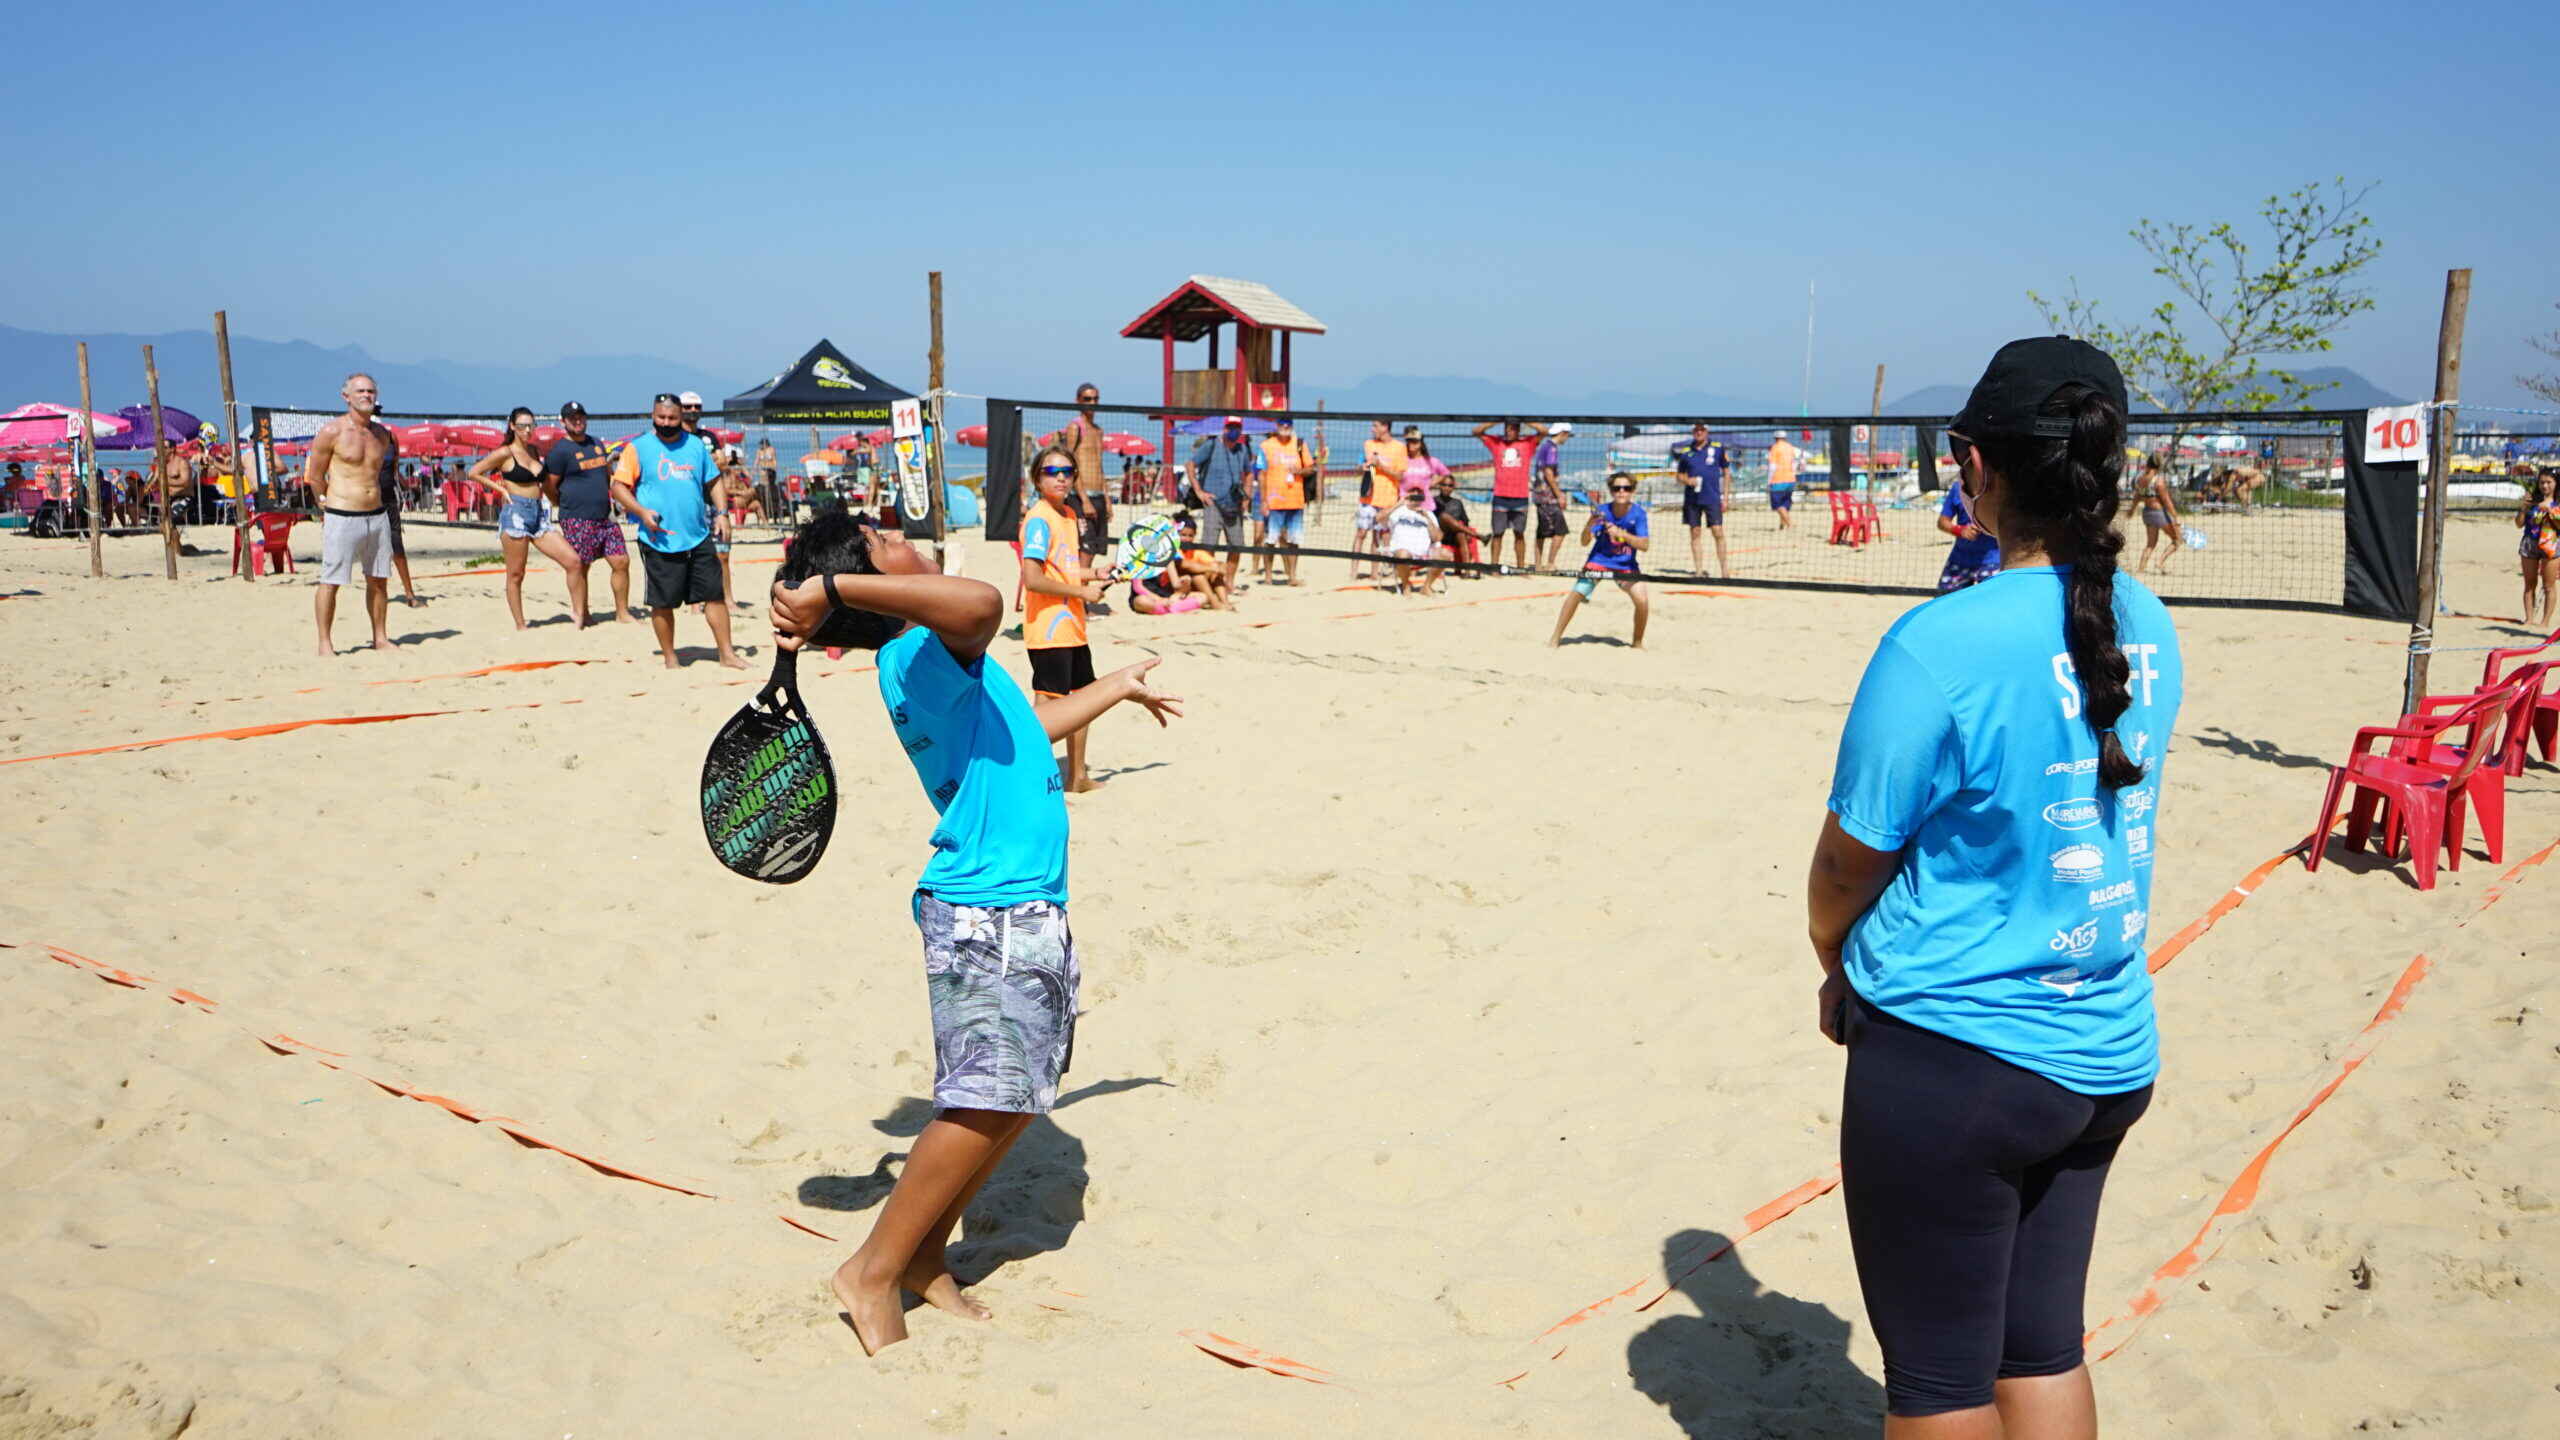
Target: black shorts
pixel 681 577
pixel 1701 507
pixel 1093 526
pixel 1509 515
pixel 1061 669
pixel 1972 1189
pixel 1551 521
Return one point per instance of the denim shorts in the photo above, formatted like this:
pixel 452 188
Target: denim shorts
pixel 522 518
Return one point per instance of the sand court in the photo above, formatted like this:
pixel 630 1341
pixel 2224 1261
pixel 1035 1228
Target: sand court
pixel 1438 986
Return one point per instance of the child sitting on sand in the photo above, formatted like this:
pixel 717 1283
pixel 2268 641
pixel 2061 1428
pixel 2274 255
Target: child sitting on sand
pixel 999 958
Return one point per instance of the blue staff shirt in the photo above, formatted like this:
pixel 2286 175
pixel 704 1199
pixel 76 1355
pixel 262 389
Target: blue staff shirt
pixel 1701 467
pixel 2017 920
pixel 984 760
pixel 669 480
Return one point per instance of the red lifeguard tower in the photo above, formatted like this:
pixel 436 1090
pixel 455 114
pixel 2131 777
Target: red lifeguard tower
pixel 1259 377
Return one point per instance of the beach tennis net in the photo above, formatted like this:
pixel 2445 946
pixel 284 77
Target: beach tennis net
pixel 2260 500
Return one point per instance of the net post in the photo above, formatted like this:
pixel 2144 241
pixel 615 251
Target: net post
pixel 160 466
pixel 239 461
pixel 936 521
pixel 2457 306
pixel 88 451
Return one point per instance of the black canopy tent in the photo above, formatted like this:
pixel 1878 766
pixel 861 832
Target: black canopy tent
pixel 822 387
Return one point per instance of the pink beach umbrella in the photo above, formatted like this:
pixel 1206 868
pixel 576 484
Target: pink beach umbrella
pixel 44 424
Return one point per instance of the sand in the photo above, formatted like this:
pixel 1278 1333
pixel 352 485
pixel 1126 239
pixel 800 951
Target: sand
pixel 1438 986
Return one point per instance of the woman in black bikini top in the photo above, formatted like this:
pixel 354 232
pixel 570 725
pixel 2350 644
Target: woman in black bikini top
pixel 518 475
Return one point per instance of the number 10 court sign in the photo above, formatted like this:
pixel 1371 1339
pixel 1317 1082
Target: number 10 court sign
pixel 2394 434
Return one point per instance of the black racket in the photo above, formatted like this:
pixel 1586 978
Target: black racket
pixel 768 788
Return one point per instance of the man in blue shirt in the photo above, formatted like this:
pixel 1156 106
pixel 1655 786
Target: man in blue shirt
pixel 1619 531
pixel 1701 463
pixel 664 478
pixel 1000 956
pixel 1222 471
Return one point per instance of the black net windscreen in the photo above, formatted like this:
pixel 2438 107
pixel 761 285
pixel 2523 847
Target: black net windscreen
pixel 2255 511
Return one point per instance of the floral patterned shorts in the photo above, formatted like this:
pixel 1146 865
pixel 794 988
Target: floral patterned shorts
pixel 1002 982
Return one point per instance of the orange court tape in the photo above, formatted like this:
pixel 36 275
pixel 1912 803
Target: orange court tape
pixel 1236 1352
pixel 2243 1191
pixel 337 1060
pixel 251 732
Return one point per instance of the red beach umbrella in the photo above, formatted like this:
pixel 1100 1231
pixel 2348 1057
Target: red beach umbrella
pixel 1116 444
pixel 725 437
pixel 422 438
pixel 971 435
pixel 545 436
pixel 473 438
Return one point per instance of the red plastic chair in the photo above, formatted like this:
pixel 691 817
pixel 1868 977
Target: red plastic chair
pixel 2510 726
pixel 2545 717
pixel 1871 523
pixel 1847 526
pixel 2425 804
pixel 269 552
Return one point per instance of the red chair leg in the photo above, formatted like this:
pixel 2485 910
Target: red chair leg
pixel 2424 820
pixel 2489 801
pixel 2546 730
pixel 2328 817
pixel 2360 817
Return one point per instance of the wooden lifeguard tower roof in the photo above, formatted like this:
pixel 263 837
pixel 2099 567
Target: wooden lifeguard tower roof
pixel 1205 302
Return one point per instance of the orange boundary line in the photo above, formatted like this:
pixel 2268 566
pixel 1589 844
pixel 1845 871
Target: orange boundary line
pixel 2243 1191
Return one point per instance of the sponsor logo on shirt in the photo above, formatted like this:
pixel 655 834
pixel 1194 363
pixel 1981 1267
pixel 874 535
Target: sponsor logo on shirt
pixel 2137 843
pixel 2135 922
pixel 2072 767
pixel 2141 744
pixel 2105 896
pixel 2078 863
pixel 2075 942
pixel 2137 803
pixel 2071 814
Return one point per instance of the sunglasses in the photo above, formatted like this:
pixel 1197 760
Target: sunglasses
pixel 1057 469
pixel 1622 489
pixel 664 399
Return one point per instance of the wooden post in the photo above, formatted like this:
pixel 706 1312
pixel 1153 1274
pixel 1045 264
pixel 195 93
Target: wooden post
pixel 240 542
pixel 1875 430
pixel 1875 405
pixel 935 522
pixel 160 466
pixel 88 446
pixel 2457 305
pixel 1324 452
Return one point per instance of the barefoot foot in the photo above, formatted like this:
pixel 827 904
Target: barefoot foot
pixel 932 1282
pixel 878 1320
pixel 733 661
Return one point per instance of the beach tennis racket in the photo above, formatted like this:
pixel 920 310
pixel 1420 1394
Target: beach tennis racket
pixel 768 788
pixel 1148 548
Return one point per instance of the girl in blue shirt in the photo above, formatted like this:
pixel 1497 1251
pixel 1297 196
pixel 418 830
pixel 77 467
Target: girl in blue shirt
pixel 1979 903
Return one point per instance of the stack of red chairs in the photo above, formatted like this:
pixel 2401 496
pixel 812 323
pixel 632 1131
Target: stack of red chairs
pixel 2545 718
pixel 2447 760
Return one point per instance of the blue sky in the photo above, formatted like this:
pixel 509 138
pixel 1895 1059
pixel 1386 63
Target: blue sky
pixel 1628 197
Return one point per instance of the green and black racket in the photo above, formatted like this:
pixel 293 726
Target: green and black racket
pixel 768 788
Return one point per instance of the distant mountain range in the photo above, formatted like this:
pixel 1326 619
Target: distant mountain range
pixel 39 367
pixel 2347 391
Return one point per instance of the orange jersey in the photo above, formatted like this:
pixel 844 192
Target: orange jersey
pixel 1283 487
pixel 1386 460
pixel 1051 621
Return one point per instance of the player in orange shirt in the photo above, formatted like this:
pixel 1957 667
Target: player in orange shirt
pixel 1055 594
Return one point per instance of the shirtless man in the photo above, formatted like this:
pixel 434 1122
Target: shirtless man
pixel 349 457
pixel 177 483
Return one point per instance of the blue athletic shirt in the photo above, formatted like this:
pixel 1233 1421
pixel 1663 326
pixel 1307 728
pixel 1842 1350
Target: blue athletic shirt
pixel 670 482
pixel 1607 554
pixel 1704 465
pixel 984 760
pixel 2017 920
pixel 1965 554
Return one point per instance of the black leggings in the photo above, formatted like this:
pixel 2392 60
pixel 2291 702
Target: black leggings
pixel 1972 1188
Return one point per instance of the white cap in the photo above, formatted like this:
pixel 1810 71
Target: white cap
pixel 1561 427
pixel 688 398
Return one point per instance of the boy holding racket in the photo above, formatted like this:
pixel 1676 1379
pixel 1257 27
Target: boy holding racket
pixel 1000 957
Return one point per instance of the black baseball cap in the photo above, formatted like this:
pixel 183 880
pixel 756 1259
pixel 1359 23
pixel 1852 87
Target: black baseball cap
pixel 572 407
pixel 2023 376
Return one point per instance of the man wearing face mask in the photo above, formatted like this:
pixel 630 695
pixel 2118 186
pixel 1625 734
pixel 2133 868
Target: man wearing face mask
pixel 663 479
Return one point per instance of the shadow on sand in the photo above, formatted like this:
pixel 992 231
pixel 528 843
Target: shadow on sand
pixel 1030 1207
pixel 1751 1361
